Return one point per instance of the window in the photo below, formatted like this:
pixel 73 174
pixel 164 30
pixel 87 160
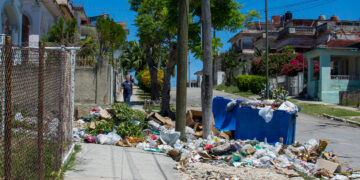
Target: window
pixel 345 67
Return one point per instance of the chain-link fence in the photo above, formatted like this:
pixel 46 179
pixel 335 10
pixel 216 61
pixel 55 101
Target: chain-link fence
pixel 36 110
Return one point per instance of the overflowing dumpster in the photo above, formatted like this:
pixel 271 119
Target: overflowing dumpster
pixel 247 123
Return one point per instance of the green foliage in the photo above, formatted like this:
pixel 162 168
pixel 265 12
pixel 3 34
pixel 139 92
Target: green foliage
pixel 275 93
pixel 124 112
pixel 61 33
pixel 243 82
pixel 133 57
pixel 280 93
pixel 111 34
pixel 141 84
pixel 69 165
pixel 250 82
pixel 128 128
pixel 104 127
pixel 276 60
pixel 225 15
pixel 24 156
pixel 146 80
pixel 86 55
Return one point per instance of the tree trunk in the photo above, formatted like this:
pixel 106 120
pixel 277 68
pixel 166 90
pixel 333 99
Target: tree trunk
pixel 183 33
pixel 165 92
pixel 207 83
pixel 153 75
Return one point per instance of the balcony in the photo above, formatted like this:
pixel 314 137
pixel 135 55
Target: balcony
pixel 301 30
pixel 339 26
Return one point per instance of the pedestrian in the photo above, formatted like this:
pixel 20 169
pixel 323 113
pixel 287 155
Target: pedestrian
pixel 132 79
pixel 127 86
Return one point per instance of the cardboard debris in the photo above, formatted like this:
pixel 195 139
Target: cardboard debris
pixel 194 120
pixel 160 119
pixel 323 172
pixel 104 114
pixel 92 125
pixel 328 165
pixel 226 135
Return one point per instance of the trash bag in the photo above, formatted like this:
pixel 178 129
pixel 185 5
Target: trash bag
pixel 169 136
pixel 266 113
pixel 288 106
pixel 231 105
pixel 111 138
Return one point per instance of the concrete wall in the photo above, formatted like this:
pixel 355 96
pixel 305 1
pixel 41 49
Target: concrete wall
pixel 349 98
pixel 85 85
pixel 95 85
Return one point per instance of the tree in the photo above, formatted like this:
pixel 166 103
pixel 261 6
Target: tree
pixel 151 31
pixel 276 60
pixel 61 33
pixel 88 51
pixel 207 84
pixel 182 67
pixel 133 57
pixel 111 35
pixel 230 63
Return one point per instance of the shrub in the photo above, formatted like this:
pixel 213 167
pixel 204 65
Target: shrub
pixel 256 84
pixel 146 79
pixel 250 82
pixel 242 82
pixel 140 82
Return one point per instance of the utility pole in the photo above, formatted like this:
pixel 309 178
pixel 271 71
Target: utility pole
pixel 189 70
pixel 267 50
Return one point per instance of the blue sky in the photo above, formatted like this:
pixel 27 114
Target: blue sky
pixel 301 9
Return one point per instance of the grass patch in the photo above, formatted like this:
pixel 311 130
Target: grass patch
pixel 69 165
pixel 319 109
pixel 234 90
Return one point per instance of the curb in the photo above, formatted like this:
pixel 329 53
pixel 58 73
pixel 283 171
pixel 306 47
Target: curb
pixel 341 119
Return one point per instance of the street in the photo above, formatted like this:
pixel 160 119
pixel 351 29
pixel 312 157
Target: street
pixel 343 139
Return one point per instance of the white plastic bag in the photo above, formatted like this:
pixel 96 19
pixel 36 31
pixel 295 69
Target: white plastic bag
pixel 169 136
pixel 288 106
pixel 266 113
pixel 111 138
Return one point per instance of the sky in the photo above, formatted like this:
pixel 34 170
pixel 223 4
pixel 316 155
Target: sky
pixel 301 9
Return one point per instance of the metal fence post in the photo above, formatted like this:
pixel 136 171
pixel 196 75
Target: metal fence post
pixel 8 113
pixel 41 112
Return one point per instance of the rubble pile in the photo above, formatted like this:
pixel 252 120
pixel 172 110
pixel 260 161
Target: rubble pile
pixel 217 157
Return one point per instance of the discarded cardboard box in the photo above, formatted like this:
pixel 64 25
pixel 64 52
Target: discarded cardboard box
pixel 104 114
pixel 92 125
pixel 194 120
pixel 330 166
pixel 160 119
pixel 226 135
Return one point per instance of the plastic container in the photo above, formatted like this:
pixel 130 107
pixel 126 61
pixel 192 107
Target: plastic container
pixel 248 124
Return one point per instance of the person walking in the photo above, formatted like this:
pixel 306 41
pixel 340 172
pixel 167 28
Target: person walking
pixel 132 79
pixel 127 86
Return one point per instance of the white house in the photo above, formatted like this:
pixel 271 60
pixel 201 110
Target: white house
pixel 27 21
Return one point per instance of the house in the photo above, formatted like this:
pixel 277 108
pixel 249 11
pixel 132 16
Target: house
pixel 27 21
pixel 338 70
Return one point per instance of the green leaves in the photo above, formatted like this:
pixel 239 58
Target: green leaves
pixel 111 34
pixel 59 33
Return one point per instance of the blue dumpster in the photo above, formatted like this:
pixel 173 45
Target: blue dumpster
pixel 247 123
pixel 224 121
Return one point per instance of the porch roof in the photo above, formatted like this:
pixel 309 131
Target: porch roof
pixel 345 51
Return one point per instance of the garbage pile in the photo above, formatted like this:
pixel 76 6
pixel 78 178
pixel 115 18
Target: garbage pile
pixel 218 152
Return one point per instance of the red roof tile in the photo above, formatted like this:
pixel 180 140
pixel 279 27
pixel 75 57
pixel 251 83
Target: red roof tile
pixel 342 43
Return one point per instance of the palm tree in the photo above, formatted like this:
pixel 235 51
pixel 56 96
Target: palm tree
pixel 133 57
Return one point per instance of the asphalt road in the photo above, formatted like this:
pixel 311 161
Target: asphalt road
pixel 343 139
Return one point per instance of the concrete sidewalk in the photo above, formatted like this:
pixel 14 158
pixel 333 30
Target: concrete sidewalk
pixel 97 161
